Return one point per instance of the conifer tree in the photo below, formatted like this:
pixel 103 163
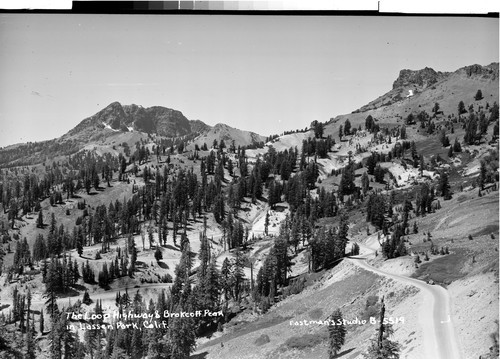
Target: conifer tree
pixel 181 334
pixel 41 326
pixel 337 332
pixel 238 275
pixel 479 95
pixel 30 342
pixel 226 279
pixel 470 130
pixel 68 339
pixel 55 337
pixel 158 254
pixel 52 285
pixel 444 186
pixel 39 221
pixel 482 174
pixel 381 347
pixel 86 298
pixel 365 182
pixel 347 127
pixel 266 224
pixel 461 108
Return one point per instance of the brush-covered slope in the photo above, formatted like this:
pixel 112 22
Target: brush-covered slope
pixel 222 132
pixel 416 91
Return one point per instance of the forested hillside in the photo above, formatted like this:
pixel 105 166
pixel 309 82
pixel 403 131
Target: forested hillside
pixel 142 234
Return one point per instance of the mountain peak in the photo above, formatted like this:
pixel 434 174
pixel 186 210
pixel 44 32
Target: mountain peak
pixel 422 78
pixel 161 120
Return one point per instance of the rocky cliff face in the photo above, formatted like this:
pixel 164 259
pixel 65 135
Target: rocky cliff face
pixel 422 78
pixel 486 72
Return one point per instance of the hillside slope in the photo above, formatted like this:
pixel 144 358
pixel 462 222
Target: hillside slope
pixel 428 87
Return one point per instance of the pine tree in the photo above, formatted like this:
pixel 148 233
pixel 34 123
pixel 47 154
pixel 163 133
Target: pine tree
pixel 337 332
pixel 238 275
pixel 483 171
pixel 479 95
pixel 456 146
pixel 158 254
pixel 435 109
pixel 79 246
pixel 181 334
pixel 86 298
pixel 39 221
pixel 365 182
pixel 266 224
pixel 133 254
pixel 41 327
pixel 381 347
pixel 347 127
pixel 68 339
pixel 30 342
pixel 444 186
pixel 461 108
pixel 226 279
pixel 470 130
pixel 53 284
pixel 55 337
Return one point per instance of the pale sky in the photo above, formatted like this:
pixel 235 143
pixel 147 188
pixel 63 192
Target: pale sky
pixel 265 74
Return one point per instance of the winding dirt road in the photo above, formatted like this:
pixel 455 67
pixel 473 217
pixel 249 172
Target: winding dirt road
pixel 439 339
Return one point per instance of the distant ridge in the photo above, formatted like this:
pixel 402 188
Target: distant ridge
pixel 160 120
pixel 427 79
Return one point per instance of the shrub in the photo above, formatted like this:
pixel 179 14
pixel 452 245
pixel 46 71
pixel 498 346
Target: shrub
pixel 263 339
pixel 372 308
pixel 304 341
pixel 316 313
pixel 371 301
pixel 167 278
pixel 295 287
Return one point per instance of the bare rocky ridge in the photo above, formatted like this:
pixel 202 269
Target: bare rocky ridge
pixel 426 81
pixel 160 120
pixel 422 78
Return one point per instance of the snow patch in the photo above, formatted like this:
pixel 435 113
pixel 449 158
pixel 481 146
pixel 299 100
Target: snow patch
pixel 406 177
pixel 109 127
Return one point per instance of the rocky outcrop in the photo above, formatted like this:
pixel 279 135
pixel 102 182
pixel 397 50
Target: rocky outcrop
pixel 422 78
pixel 160 120
pixel 485 72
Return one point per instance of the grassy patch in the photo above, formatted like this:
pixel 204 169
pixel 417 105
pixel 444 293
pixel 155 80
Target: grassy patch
pixel 316 313
pixel 304 341
pixel 492 228
pixel 462 198
pixel 245 328
pixel 446 269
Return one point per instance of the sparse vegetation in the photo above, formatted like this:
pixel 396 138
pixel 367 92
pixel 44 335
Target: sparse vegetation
pixel 265 222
